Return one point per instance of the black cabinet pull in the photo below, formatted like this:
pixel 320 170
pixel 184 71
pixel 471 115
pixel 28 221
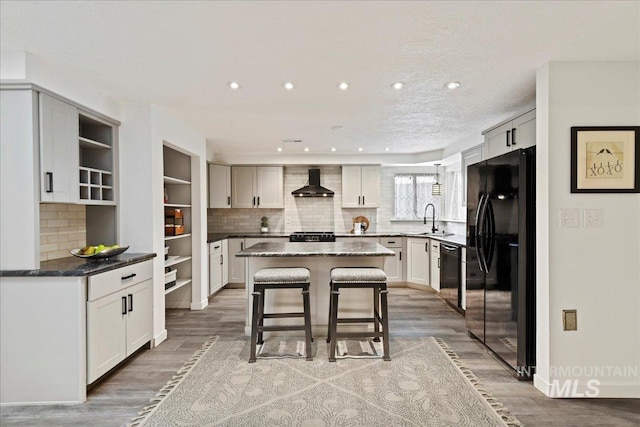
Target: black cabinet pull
pixel 513 136
pixel 508 133
pixel 216 247
pixel 390 241
pixel 363 200
pixel 129 276
pixel 221 259
pixel 438 262
pixel 258 200
pixel 49 186
pixel 400 255
pixel 229 200
pixel 130 302
pixel 426 247
pixel 124 305
pixel 358 200
pixel 254 201
pixel 241 246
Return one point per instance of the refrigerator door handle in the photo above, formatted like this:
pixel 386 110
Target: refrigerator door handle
pixel 480 218
pixel 491 234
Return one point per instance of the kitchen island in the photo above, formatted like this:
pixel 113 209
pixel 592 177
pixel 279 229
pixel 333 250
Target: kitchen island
pixel 319 258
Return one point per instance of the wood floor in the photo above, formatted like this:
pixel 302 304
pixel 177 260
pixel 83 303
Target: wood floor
pixel 412 312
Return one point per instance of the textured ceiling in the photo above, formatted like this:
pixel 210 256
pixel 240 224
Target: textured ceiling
pixel 182 54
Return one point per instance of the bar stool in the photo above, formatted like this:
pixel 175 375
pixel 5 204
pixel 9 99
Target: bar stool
pixel 359 277
pixel 280 278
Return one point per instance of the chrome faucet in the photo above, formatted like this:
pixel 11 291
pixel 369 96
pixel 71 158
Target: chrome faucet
pixel 433 224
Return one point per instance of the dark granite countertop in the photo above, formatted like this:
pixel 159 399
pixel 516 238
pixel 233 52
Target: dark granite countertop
pixel 74 266
pixel 306 249
pixel 455 239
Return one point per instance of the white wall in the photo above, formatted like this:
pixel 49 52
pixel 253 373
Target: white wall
pixel 596 271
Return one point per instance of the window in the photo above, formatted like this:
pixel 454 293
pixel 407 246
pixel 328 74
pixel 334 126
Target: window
pixel 453 191
pixel 412 194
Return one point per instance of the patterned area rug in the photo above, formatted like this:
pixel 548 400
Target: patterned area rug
pixel 423 385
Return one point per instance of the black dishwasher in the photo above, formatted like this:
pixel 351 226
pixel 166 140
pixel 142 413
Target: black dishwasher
pixel 450 282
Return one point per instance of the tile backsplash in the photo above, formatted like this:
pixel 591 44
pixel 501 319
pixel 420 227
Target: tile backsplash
pixel 62 228
pixel 320 213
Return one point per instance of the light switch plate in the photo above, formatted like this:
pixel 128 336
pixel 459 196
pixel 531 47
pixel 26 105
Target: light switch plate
pixel 569 218
pixel 593 218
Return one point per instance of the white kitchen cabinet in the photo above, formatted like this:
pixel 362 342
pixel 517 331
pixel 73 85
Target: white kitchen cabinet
pixel 219 186
pixel 119 316
pixel 236 264
pixel 418 261
pixel 225 262
pixel 517 133
pixel 394 265
pixel 215 267
pixel 59 156
pixel 360 186
pixel 434 279
pixel 257 187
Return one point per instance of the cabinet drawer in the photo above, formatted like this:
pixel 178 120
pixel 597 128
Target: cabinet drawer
pixel 215 248
pixel 391 242
pixel 115 280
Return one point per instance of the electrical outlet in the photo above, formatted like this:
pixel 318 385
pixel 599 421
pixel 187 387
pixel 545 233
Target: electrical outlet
pixel 570 320
pixel 287 220
pixel 593 218
pixel 569 218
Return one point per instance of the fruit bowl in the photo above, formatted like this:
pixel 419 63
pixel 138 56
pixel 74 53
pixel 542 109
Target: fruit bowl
pixel 106 253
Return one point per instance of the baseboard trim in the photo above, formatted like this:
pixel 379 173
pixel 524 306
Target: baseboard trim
pixel 199 305
pixel 158 339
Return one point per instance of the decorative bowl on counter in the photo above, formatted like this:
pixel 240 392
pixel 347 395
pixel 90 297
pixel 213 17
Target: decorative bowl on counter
pixel 106 253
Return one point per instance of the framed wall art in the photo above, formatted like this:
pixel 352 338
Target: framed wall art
pixel 605 159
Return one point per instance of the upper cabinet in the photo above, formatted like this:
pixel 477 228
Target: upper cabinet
pixel 360 186
pixel 219 186
pixel 59 157
pixel 257 187
pixel 517 133
pixel 76 154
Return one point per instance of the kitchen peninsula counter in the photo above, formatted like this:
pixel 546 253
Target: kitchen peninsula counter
pixel 319 258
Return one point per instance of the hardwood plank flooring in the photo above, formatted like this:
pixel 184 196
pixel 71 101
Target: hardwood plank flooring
pixel 412 313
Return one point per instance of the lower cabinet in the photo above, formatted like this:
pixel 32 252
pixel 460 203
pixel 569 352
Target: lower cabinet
pixel 119 316
pixel 236 264
pixel 435 264
pixel 393 265
pixel 215 266
pixel 418 261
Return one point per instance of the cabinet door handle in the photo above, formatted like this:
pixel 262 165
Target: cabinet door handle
pixel 130 302
pixel 221 259
pixel 254 201
pixel 508 134
pixel 362 200
pixel 438 262
pixel 513 136
pixel 258 200
pixel 390 241
pixel 426 247
pixel 358 200
pixel 241 246
pixel 216 247
pixel 132 275
pixel 228 200
pixel 124 305
pixel 49 186
pixel 400 255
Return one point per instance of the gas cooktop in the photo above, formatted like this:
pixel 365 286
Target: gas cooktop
pixel 312 236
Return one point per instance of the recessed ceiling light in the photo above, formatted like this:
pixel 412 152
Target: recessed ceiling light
pixel 279 148
pixel 343 85
pixel 288 85
pixel 387 149
pixel 234 85
pixel 360 149
pixel 306 148
pixel 452 85
pixel 397 85
pixel 333 148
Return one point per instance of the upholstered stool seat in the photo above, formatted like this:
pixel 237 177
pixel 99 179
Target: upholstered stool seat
pixel 359 277
pixel 280 278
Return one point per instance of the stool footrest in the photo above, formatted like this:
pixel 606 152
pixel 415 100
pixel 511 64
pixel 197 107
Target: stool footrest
pixel 355 320
pixel 281 315
pixel 281 328
pixel 359 334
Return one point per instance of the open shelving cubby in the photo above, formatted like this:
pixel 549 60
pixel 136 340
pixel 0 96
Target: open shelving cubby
pixel 177 213
pixel 96 142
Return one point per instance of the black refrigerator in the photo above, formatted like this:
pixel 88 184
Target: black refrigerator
pixel 500 295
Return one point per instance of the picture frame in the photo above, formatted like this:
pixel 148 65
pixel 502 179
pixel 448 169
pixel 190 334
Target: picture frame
pixel 605 159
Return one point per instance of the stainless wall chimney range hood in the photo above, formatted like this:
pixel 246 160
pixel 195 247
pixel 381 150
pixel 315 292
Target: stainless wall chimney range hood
pixel 313 188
